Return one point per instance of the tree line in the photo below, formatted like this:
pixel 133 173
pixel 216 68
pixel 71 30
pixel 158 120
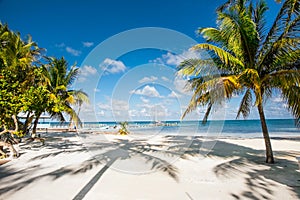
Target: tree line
pixel 32 84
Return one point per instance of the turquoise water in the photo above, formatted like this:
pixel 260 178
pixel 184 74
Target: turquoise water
pixel 240 128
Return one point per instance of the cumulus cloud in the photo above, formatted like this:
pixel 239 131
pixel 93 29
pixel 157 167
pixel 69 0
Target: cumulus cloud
pixel 112 66
pixel 174 95
pixel 180 85
pixel 114 108
pixel 144 100
pixel 148 79
pixel 104 106
pixel 165 79
pixel 176 59
pixel 149 91
pixel 120 105
pixel 85 72
pixel 150 112
pixel 87 44
pixel 72 51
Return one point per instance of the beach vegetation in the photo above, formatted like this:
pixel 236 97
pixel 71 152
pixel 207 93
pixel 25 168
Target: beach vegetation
pixel 247 59
pixel 61 101
pixel 123 129
pixel 17 57
pixel 32 84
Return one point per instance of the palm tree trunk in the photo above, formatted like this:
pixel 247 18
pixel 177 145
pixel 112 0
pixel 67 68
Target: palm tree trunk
pixel 27 123
pixel 269 152
pixel 33 135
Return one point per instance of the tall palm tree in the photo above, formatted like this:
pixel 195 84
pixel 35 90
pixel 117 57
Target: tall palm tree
pixel 251 60
pixel 59 79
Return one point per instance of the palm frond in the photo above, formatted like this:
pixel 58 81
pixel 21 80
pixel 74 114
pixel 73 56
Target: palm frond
pixel 292 96
pixel 282 79
pixel 240 31
pixel 79 96
pixel 279 27
pixel 245 104
pixel 231 85
pixel 230 61
pixel 212 35
pixel 197 67
pixel 259 19
pixel 196 100
pixel 73 115
pixel 250 78
pixel 57 115
pixel 72 75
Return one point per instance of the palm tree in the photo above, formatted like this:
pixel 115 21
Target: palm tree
pixel 59 78
pixel 123 130
pixel 250 59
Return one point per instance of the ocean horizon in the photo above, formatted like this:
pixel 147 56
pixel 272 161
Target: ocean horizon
pixel 235 128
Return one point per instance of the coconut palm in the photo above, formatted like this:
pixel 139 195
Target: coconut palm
pixel 59 79
pixel 251 60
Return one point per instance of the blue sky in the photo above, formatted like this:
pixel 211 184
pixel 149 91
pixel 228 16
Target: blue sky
pixel 126 77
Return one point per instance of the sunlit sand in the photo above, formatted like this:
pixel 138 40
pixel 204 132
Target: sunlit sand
pixel 98 166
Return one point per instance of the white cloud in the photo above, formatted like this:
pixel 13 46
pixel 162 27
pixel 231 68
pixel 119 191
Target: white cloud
pixel 147 91
pixel 101 113
pixel 165 79
pixel 86 71
pixel 72 51
pixel 176 59
pixel 104 106
pixel 88 44
pixel 112 66
pixel 174 95
pixel 153 111
pixel 113 108
pixel 148 79
pixel 144 100
pixel 120 105
pixel 81 79
pixel 180 85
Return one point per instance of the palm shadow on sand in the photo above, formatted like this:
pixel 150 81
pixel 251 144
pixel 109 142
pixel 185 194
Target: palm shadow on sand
pixel 162 157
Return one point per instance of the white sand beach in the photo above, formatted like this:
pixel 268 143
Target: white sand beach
pixel 116 167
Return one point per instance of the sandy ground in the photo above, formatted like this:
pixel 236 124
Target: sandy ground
pixel 111 167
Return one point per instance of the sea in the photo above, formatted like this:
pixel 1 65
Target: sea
pixel 213 128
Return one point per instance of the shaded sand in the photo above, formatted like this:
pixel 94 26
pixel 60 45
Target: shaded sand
pixel 161 167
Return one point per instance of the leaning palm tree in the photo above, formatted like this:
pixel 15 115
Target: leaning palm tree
pixel 251 61
pixel 59 78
